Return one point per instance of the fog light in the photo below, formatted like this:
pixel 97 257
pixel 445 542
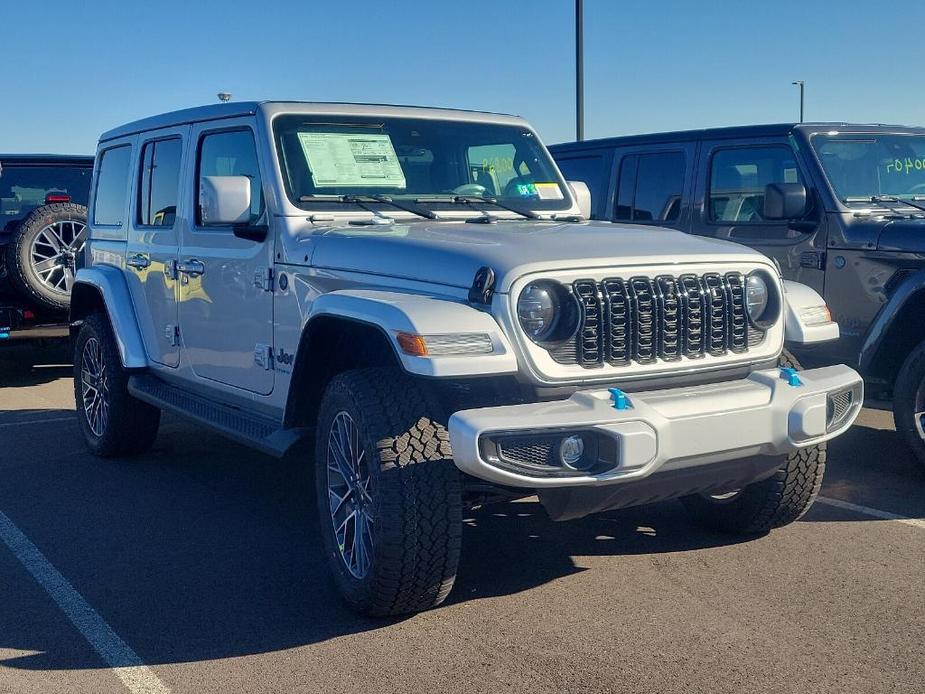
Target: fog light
pixel 571 451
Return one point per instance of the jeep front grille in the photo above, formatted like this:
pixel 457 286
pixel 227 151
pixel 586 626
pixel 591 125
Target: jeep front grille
pixel 667 318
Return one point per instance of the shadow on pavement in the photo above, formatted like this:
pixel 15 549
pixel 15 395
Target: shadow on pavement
pixel 21 375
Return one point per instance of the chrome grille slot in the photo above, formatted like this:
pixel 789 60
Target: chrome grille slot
pixel 619 322
pixel 669 318
pixel 645 328
pixel 591 329
pixel 738 319
pixel 694 301
pixel 717 318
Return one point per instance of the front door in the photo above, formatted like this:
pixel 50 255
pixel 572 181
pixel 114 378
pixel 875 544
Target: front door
pixel 226 299
pixel 153 241
pixel 731 200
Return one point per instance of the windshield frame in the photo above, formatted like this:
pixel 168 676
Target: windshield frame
pixel 447 209
pixel 855 133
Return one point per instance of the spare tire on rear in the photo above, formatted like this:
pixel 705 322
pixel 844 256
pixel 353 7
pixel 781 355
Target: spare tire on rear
pixel 43 254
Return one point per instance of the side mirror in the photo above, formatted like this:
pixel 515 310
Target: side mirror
pixel 224 200
pixel 582 197
pixel 785 201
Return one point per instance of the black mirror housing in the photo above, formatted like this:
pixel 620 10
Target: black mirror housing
pixel 251 232
pixel 785 201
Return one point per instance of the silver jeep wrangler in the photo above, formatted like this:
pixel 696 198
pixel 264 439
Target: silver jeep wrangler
pixel 418 295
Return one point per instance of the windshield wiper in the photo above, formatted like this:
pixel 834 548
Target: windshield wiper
pixel 472 200
pixel 361 200
pixel 877 199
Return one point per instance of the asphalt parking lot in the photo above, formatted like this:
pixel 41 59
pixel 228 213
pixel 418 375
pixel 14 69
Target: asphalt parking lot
pixel 196 563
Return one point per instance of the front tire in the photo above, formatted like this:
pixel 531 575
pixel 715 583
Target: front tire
pixel 389 496
pixel 771 503
pixel 113 422
pixel 909 402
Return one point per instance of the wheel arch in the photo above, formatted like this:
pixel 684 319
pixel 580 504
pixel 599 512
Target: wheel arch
pixel 103 289
pixel 895 331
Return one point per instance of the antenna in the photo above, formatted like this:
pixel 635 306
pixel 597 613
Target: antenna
pixel 224 96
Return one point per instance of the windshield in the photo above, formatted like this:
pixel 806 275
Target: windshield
pixel 863 166
pixel 416 160
pixel 24 187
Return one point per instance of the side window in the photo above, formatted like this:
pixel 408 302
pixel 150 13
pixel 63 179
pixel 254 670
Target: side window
pixel 111 186
pixel 738 178
pixel 160 182
pixel 231 153
pixel 650 187
pixel 590 170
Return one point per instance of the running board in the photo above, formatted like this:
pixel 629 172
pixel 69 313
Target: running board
pixel 255 431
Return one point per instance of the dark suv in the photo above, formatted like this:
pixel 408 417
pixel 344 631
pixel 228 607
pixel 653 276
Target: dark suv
pixel 43 221
pixel 840 207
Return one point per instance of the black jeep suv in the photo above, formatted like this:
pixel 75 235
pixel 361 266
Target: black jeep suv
pixel 841 207
pixel 43 221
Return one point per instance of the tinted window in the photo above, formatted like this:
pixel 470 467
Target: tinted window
pixel 111 186
pixel 232 154
pixel 650 187
pixel 591 171
pixel 24 187
pixel 738 178
pixel 160 181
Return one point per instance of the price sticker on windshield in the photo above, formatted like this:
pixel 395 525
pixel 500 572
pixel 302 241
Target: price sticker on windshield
pixel 352 160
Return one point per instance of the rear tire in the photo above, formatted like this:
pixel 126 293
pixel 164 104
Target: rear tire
pixel 396 475
pixel 113 422
pixel 909 402
pixel 42 256
pixel 770 503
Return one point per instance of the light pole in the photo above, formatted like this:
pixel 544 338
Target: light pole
pixel 801 84
pixel 579 70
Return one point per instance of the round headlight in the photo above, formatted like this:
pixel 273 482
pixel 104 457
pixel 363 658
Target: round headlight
pixel 761 300
pixel 538 310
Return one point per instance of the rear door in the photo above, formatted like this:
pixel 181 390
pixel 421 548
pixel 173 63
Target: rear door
pixel 153 240
pixel 730 201
pixel 226 298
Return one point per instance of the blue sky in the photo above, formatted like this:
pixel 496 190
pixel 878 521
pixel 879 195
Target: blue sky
pixel 75 68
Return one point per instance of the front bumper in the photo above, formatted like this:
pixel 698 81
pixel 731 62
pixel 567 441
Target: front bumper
pixel 667 430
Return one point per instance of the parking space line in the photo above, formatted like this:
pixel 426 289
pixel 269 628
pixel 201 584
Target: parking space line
pixel 868 511
pixel 135 675
pixel 37 421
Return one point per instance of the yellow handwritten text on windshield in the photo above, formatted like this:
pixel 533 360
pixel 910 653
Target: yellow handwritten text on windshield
pixel 905 166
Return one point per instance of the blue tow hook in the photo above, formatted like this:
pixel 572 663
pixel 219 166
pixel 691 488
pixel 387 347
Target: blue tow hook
pixel 620 399
pixel 791 376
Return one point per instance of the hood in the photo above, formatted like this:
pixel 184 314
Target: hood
pixel 450 253
pixel 907 235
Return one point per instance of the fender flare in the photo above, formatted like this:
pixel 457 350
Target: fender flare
pixel 885 319
pixel 798 297
pixel 108 283
pixel 420 314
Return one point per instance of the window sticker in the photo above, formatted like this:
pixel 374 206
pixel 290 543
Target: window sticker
pixel 352 160
pixel 548 191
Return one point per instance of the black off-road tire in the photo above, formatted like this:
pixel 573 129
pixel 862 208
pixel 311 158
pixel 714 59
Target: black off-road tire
pixel 22 276
pixel 132 424
pixel 909 398
pixel 779 500
pixel 415 490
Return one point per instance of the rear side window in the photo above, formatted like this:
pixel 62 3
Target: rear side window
pixel 591 170
pixel 650 188
pixel 160 182
pixel 111 186
pixel 231 153
pixel 738 178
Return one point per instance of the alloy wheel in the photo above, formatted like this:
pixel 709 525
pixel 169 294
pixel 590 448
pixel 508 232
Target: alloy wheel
pixel 349 495
pixel 94 387
pixel 54 252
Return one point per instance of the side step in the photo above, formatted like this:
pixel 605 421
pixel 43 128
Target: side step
pixel 255 431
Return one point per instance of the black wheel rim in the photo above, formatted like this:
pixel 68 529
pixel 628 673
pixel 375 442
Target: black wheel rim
pixel 94 387
pixel 350 500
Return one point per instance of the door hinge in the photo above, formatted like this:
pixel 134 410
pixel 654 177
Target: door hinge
pixel 172 333
pixel 263 356
pixel 170 269
pixel 263 279
pixel 813 260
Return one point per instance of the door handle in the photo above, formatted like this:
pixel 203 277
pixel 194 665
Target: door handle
pixel 191 267
pixel 138 260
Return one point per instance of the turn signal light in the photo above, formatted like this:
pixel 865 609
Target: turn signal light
pixel 412 344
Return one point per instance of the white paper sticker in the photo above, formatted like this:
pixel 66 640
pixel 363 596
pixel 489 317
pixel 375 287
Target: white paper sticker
pixel 352 160
pixel 548 191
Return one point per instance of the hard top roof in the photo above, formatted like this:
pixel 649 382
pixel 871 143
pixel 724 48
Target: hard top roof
pixel 78 159
pixel 248 108
pixel 736 131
